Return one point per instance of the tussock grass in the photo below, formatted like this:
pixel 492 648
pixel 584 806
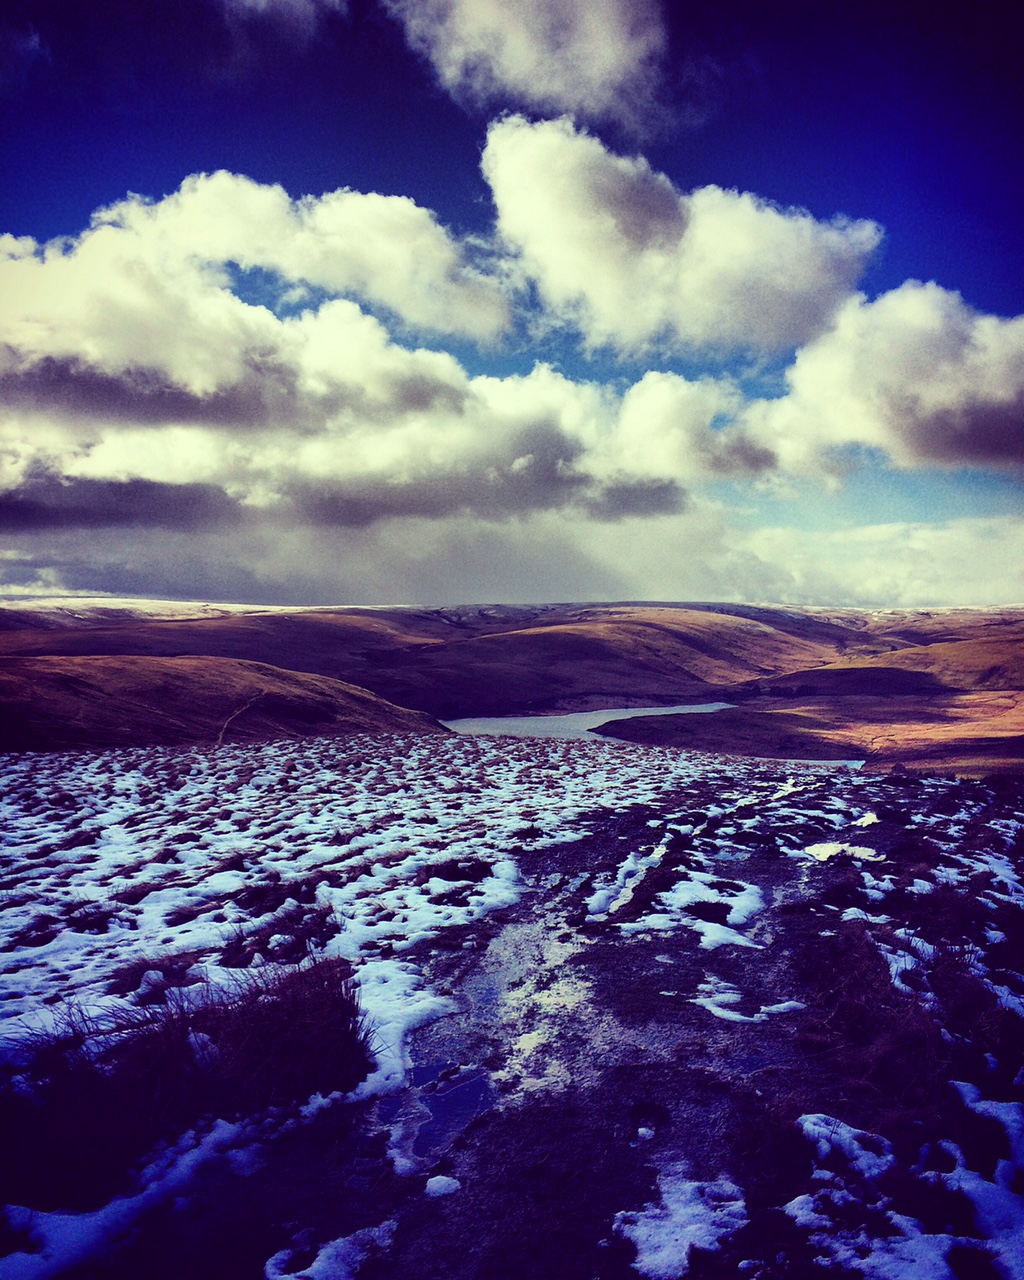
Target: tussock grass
pixel 99 1094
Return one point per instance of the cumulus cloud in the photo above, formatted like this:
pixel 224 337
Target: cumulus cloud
pixel 98 297
pixel 916 374
pixel 616 250
pixel 666 425
pixel 133 378
pixel 598 59
pixel 151 409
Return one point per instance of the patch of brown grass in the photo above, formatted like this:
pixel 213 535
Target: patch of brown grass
pixel 96 1097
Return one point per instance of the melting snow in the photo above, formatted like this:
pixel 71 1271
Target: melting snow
pixel 689 1213
pixel 831 849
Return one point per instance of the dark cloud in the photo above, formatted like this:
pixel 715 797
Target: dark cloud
pixel 144 396
pixel 539 469
pixel 637 498
pixel 393 398
pixel 535 470
pixel 195 571
pixel 50 502
pixel 738 455
pixel 267 396
pixel 975 433
pixel 645 210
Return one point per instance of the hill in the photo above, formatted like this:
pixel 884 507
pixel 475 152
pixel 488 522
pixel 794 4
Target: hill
pixel 930 688
pixel 477 660
pixel 52 703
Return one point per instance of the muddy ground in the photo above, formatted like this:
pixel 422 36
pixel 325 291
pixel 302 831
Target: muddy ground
pixel 716 1034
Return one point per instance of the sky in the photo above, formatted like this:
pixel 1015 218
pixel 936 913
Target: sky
pixel 450 301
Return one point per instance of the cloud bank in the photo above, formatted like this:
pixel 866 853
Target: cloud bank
pixel 231 392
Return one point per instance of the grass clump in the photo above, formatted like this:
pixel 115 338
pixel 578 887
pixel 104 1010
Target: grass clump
pixel 99 1094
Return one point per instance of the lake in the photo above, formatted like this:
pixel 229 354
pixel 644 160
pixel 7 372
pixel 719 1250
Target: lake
pixel 576 724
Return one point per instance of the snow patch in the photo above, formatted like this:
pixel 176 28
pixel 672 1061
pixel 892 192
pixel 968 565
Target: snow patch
pixel 689 1213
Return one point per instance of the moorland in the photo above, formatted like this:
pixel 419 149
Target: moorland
pixel 924 689
pixel 296 980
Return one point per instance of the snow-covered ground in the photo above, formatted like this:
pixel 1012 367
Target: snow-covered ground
pixel 482 889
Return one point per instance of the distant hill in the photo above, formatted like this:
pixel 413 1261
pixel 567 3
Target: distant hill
pixel 938 687
pixel 50 703
pixel 482 660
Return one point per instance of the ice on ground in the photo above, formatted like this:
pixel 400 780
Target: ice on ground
pixel 741 902
pixel 126 873
pixel 866 1152
pixel 64 1241
pixel 900 1247
pixel 1010 1115
pixel 718 997
pixel 608 898
pixel 689 1213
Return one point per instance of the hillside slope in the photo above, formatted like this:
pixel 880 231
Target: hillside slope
pixel 52 703
pixel 935 688
pixel 477 660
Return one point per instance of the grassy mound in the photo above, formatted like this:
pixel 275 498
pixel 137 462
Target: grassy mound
pixel 97 1096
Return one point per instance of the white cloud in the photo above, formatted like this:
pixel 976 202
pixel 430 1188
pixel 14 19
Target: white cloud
pixel 917 374
pixel 148 285
pixel 129 360
pixel 157 428
pixel 913 565
pixel 131 363
pixel 667 426
pixel 618 251
pixel 590 58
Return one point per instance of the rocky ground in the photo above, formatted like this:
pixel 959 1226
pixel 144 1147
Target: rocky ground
pixel 633 1011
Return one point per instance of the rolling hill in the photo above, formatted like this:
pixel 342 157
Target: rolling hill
pixel 928 688
pixel 51 703
pixel 476 660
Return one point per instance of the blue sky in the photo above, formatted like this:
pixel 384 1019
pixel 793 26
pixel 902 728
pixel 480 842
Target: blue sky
pixel 433 301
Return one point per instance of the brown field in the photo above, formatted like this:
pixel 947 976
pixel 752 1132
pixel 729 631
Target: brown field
pixel 969 733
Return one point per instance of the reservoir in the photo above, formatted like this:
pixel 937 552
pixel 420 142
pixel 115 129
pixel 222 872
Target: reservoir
pixel 576 724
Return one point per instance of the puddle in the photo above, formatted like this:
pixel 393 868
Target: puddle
pixel 441 1100
pixel 452 1104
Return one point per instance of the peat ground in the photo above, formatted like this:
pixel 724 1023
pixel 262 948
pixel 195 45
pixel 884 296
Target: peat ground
pixel 633 1011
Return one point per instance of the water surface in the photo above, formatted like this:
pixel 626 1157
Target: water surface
pixel 576 724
